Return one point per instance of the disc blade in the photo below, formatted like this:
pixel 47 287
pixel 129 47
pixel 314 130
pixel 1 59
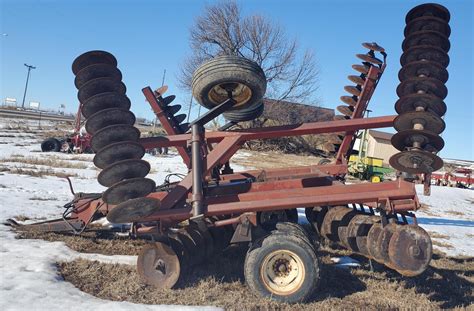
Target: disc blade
pixel 427 140
pixel 107 117
pixel 349 100
pixel 95 71
pixel 93 57
pixel 171 110
pixel 423 69
pixel 161 90
pixel 373 46
pixel 410 250
pixel 165 101
pixel 100 85
pixel 416 162
pixel 426 37
pixel 114 134
pixel 126 169
pixel 349 240
pixel 128 189
pixel 383 243
pixel 356 79
pixel 372 242
pixel 180 118
pixel 429 121
pixel 158 266
pixel 370 59
pixel 339 117
pixel 133 210
pixel 425 52
pixel 428 9
pixel 184 127
pixel 415 102
pixel 364 69
pixel 345 110
pixel 117 152
pixel 428 23
pixel 423 86
pixel 104 101
pixel 352 90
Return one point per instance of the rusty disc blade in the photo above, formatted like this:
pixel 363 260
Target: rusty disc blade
pixel 316 217
pixel 422 86
pixel 415 102
pixel 158 266
pixel 128 189
pixel 95 71
pixel 92 57
pixel 372 242
pixel 98 86
pixel 104 101
pixel 117 152
pixel 161 90
pixel 180 118
pixel 126 169
pixel 339 117
pixel 171 110
pixel 364 69
pixel 348 237
pixel 410 250
pixel 429 121
pixel 356 79
pixel 383 242
pixel 328 220
pixel 133 210
pixel 189 247
pixel 342 227
pixel 426 37
pixel 114 134
pixel 349 100
pixel 107 117
pixel 178 243
pixel 373 46
pixel 370 59
pixel 416 162
pixel 352 90
pixel 426 139
pixel 167 100
pixel 428 9
pixel 198 253
pixel 362 232
pixel 345 110
pixel 428 23
pixel 423 68
pixel 425 52
pixel 208 240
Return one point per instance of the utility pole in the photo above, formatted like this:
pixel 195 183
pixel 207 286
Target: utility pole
pixel 26 86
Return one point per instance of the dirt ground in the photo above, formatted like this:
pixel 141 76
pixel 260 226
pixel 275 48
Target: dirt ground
pixel 447 283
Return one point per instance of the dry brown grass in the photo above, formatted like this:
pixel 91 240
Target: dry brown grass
pixel 455 213
pixel 46 161
pixel 38 172
pixel 446 284
pixel 273 159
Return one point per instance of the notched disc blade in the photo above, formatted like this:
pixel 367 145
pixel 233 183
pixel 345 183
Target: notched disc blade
pixel 356 79
pixel 93 57
pixel 95 71
pixel 161 90
pixel 416 162
pixel 425 52
pixel 104 101
pixel 410 250
pixel 171 110
pixel 364 69
pixel 414 102
pixel 126 169
pixel 117 152
pixel 349 100
pixel 114 134
pixel 107 117
pixel 167 100
pixel 423 69
pixel 373 46
pixel 180 118
pixel 430 121
pixel 158 266
pixel 422 86
pixel 370 59
pixel 133 210
pixel 352 90
pixel 345 110
pixel 128 189
pixel 100 85
pixel 426 37
pixel 428 23
pixel 428 9
pixel 428 140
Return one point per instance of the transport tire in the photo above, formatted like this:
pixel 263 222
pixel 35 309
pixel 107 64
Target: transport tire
pixel 282 268
pixel 243 115
pixel 51 145
pixel 244 78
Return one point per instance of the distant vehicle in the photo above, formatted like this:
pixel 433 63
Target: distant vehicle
pixel 460 178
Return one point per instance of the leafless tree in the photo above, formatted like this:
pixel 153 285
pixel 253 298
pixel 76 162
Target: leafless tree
pixel 221 29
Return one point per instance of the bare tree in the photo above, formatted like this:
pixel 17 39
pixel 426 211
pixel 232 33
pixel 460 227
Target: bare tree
pixel 221 30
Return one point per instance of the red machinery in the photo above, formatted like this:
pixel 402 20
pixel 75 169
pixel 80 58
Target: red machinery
pixel 461 177
pixel 213 206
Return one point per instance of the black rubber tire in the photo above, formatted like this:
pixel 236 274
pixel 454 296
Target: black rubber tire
pixel 324 162
pixel 51 145
pixel 228 69
pixel 262 248
pixel 243 115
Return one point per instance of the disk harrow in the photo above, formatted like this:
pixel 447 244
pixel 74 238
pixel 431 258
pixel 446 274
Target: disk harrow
pixel 422 91
pixel 212 206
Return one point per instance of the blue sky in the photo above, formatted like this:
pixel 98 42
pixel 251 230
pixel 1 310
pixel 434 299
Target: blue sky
pixel 150 36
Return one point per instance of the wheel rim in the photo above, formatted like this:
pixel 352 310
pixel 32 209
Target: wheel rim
pixel 240 93
pixel 375 179
pixel 282 272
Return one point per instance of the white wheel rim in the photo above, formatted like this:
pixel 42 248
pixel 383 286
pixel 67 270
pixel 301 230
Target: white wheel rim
pixel 282 272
